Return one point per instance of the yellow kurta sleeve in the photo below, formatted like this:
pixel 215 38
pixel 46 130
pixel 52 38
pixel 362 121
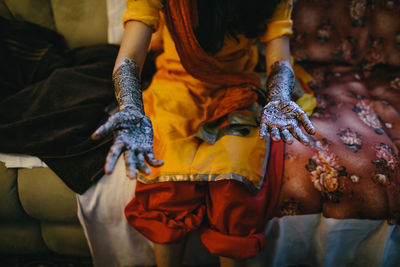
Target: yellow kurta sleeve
pixel 146 11
pixel 281 23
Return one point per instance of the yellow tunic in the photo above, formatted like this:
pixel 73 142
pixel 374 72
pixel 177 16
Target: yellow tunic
pixel 178 104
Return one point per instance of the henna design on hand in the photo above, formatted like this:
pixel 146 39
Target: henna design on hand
pixel 127 85
pixel 281 115
pixel 133 131
pixel 133 135
pixel 280 82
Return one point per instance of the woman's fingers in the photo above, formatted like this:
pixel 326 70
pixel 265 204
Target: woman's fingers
pixel 149 156
pixel 286 136
pixel 275 135
pixel 114 122
pixel 130 164
pixel 307 124
pixel 104 130
pixel 299 135
pixel 141 165
pixel 112 157
pixel 263 130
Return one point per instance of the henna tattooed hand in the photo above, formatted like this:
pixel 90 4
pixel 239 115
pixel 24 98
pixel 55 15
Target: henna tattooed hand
pixel 281 115
pixel 133 136
pixel 281 119
pixel 133 131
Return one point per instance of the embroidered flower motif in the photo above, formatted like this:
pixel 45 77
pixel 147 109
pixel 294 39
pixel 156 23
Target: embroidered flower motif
pixel 387 154
pixel 291 207
pixel 319 78
pixel 386 163
pixel 375 55
pixel 367 114
pixel 325 171
pixel 357 12
pixel 355 179
pixel 389 4
pixel 351 139
pixel 395 83
pixel 324 32
pixel 380 178
pixel 299 37
pixel 325 178
pixel 388 125
pixel 323 101
pixel 299 53
pixel 344 51
pixel 322 111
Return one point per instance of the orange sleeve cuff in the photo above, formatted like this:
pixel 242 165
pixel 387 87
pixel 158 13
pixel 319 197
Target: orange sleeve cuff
pixel 145 11
pixel 277 29
pixel 281 23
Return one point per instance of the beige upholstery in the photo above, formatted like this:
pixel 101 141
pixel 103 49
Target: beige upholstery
pixel 37 11
pixel 57 205
pixel 81 22
pixel 37 210
pixel 38 214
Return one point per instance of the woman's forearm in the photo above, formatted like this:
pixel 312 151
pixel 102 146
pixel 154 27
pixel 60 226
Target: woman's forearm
pixel 277 50
pixel 135 43
pixel 280 76
pixel 129 63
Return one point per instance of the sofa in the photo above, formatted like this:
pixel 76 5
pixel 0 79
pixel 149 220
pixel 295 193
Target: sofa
pixel 38 211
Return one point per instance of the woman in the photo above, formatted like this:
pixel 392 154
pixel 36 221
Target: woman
pixel 202 103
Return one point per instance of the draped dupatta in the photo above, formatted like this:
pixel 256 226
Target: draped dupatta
pixel 181 17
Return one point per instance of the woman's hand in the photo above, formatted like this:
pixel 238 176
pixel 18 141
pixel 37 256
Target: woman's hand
pixel 133 136
pixel 281 118
pixel 133 132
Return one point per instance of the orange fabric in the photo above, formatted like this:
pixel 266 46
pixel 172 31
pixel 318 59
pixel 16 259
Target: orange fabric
pixel 179 103
pixel 166 212
pixel 178 15
pixel 281 23
pixel 147 12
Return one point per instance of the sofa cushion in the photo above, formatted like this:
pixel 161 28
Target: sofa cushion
pixel 82 23
pixel 65 239
pixel 21 238
pixel 4 11
pixel 10 207
pixel 45 197
pixel 38 11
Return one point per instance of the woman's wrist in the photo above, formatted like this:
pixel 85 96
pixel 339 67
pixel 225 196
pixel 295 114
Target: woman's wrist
pixel 280 82
pixel 127 86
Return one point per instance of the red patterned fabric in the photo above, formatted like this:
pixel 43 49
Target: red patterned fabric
pixel 352 168
pixel 358 32
pixel 231 219
pixel 351 48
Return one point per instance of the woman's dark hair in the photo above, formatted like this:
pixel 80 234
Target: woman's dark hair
pixel 220 19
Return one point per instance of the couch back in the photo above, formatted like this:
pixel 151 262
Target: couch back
pixel 356 32
pixel 81 22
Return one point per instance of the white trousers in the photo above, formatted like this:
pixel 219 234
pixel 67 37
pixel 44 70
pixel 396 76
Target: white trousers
pixel 306 239
pixel 112 241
